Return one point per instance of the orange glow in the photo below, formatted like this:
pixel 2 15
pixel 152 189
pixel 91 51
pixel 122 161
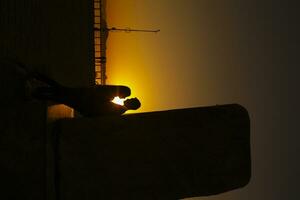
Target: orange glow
pixel 127 60
pixel 149 63
pixel 118 100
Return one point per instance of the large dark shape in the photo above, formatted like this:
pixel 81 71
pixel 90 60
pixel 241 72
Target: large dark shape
pixel 160 155
pixel 22 139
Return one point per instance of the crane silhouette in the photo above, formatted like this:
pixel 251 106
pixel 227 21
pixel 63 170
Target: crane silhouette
pixel 101 32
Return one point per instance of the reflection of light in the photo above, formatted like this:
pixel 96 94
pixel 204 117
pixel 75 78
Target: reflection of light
pixel 118 100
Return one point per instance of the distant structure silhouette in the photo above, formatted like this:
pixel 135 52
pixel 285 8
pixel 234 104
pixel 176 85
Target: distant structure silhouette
pixel 89 101
pixel 101 32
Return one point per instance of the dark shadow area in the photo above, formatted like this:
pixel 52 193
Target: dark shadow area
pixel 22 141
pixel 161 155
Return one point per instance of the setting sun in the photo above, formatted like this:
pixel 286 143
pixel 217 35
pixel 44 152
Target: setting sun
pixel 119 101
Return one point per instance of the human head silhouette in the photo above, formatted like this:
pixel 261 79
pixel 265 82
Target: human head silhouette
pixel 132 104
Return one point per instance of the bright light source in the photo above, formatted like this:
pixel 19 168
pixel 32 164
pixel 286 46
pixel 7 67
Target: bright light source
pixel 118 100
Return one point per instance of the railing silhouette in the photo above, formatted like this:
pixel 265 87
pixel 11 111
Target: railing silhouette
pixel 100 37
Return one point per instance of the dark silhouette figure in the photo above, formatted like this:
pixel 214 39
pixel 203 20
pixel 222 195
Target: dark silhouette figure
pixel 88 101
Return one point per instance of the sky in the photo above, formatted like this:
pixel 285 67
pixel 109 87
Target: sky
pixel 217 52
pixel 165 70
pixel 208 52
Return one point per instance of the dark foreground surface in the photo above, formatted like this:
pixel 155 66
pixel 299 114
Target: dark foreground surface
pixel 160 155
pixel 22 139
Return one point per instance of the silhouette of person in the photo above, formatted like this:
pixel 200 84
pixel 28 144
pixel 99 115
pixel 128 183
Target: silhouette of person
pixel 88 101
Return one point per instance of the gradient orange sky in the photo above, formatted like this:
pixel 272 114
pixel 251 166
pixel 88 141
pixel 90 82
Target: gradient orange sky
pixel 164 70
pixel 217 52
